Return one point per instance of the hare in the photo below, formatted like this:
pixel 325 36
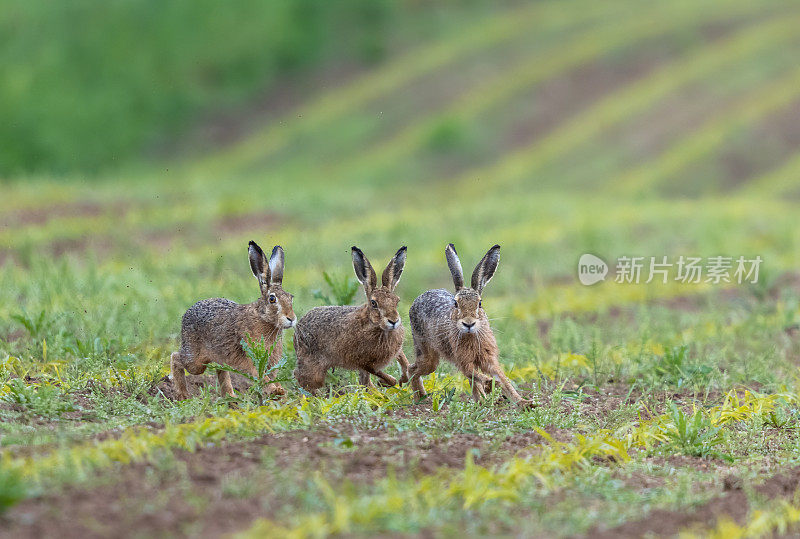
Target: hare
pixel 364 338
pixel 213 329
pixel 456 328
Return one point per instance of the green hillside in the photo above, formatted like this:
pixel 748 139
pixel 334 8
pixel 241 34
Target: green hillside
pixel 553 128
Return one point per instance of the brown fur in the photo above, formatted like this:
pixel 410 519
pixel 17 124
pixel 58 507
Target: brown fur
pixel 456 327
pixel 212 330
pixel 364 338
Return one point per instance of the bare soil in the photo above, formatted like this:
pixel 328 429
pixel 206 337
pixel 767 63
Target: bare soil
pixel 223 488
pixel 161 240
pixel 44 214
pixel 566 95
pixel 733 504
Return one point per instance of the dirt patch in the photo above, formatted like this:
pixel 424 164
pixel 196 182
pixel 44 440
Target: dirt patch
pixel 15 334
pixel 226 127
pixel 44 214
pixel 256 223
pixel 602 402
pixel 773 140
pixel 733 504
pixel 12 407
pixel 560 97
pixel 222 488
pixel 685 461
pixel 162 240
pixel 785 281
pixel 641 481
pixel 688 303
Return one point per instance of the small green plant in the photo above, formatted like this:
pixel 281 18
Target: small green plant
pixel 35 325
pixel 672 364
pixel 781 419
pixel 675 368
pixel 342 289
pixel 45 400
pixel 440 399
pixel 694 435
pixel 99 347
pixel 259 353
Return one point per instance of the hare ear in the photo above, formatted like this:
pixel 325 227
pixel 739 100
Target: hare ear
pixel 485 269
pixel 391 275
pixel 455 266
pixel 258 263
pixel 364 272
pixel 276 265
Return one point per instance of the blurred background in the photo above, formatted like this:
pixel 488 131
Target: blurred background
pixel 143 143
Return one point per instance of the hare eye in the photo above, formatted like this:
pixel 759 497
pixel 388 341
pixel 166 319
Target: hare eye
pixel 374 303
pixel 272 299
pixel 480 304
pixel 455 304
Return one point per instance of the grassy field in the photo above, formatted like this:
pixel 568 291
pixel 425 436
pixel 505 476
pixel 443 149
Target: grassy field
pixel 554 129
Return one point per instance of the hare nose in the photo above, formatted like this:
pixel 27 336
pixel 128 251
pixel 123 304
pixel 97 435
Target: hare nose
pixel 392 322
pixel 468 326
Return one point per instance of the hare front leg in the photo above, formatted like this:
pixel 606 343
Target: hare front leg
pixel 225 385
pixel 477 382
pixel 403 361
pixel 508 388
pixel 365 380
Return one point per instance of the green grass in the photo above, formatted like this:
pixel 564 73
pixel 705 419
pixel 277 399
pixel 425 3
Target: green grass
pixel 648 394
pixel 90 85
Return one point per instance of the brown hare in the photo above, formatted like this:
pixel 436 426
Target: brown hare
pixel 364 338
pixel 213 329
pixel 456 328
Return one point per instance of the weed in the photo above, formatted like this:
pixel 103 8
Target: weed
pixel 342 290
pixel 694 435
pixel 36 325
pixel 675 368
pixel 45 399
pixel 259 353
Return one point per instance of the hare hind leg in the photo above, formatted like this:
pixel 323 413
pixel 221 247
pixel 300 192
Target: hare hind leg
pixel 275 389
pixel 386 380
pixel 178 376
pixel 426 362
pixel 310 373
pixel 476 377
pixel 190 361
